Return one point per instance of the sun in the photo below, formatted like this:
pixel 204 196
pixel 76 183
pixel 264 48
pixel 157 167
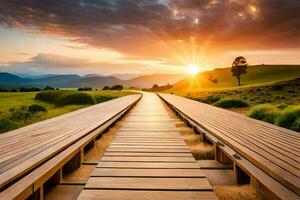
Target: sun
pixel 192 70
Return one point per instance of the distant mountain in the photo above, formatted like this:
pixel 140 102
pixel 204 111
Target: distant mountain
pixel 99 82
pixel 8 79
pixel 90 80
pixel 148 81
pixel 36 76
pixel 92 75
pixel 125 76
pixel 58 80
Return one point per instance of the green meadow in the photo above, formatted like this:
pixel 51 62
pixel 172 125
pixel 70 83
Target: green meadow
pixel 17 110
pixel 270 93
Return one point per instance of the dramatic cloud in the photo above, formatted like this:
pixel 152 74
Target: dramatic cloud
pixel 152 28
pixel 52 63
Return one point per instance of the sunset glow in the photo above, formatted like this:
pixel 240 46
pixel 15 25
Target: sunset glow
pixel 192 70
pixel 158 37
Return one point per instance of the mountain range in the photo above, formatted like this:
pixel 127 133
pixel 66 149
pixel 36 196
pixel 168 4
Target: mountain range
pixel 89 80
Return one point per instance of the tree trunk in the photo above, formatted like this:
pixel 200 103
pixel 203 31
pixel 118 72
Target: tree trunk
pixel 239 81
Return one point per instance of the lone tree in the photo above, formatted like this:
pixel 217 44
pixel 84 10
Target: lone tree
pixel 239 67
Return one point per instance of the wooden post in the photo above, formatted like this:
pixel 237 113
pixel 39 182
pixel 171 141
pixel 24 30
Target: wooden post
pixel 221 156
pixel 74 163
pixel 242 177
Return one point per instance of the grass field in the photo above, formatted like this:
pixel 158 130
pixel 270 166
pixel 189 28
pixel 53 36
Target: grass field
pixel 13 114
pixel 220 79
pixel 277 103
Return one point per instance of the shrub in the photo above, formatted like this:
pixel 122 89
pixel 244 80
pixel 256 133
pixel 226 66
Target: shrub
pixel 49 88
pixel 264 112
pixel 50 96
pixel 20 114
pixel 3 90
pixel 36 108
pixel 6 125
pixel 210 99
pixel 117 87
pixel 75 99
pixel 29 89
pixel 231 103
pixel 290 118
pixel 277 87
pixel 282 106
pixel 85 89
pixel 106 88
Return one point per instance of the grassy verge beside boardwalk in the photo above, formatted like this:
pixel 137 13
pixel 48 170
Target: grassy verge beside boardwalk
pixel 15 112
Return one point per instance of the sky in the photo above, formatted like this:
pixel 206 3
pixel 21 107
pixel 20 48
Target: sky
pixel 145 36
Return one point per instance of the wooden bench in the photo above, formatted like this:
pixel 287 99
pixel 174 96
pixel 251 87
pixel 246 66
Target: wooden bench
pixel 33 154
pixel 269 154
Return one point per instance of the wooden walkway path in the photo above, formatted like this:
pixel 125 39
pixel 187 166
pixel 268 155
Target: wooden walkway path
pixel 148 160
pixel 26 149
pixel 269 153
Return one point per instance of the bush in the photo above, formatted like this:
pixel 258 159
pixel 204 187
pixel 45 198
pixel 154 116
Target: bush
pixel 290 119
pixel 20 114
pixel 6 125
pixel 106 88
pixel 36 108
pixel 85 89
pixel 264 112
pixel 210 99
pixel 231 103
pixel 29 89
pixel 117 87
pixel 282 106
pixel 49 88
pixel 277 87
pixel 75 99
pixel 50 96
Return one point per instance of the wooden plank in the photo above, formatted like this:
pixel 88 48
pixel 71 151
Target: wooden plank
pixel 24 160
pixel 150 150
pixel 190 184
pixel 114 172
pixel 149 143
pixel 273 149
pixel 145 195
pixel 148 147
pixel 145 165
pixel 212 164
pixel 143 154
pixel 147 159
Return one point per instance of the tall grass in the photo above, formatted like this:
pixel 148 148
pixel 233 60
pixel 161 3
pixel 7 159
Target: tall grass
pixel 264 112
pixel 199 149
pixel 203 151
pixel 245 192
pixel 231 103
pixel 290 118
pixel 6 125
pixel 75 99
pixel 63 98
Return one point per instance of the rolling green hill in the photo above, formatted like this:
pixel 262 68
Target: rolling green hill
pixel 222 78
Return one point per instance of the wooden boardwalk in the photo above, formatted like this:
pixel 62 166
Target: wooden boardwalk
pixel 148 159
pixel 36 151
pixel 269 153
